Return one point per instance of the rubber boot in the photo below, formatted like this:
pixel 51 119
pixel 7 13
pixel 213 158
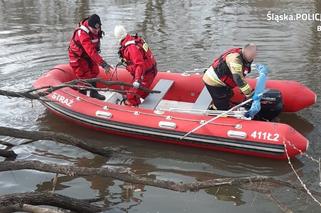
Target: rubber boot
pixel 95 94
pixel 83 91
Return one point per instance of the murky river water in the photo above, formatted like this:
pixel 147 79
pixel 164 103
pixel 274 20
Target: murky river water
pixel 184 35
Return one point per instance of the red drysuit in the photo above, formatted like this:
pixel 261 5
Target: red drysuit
pixel 84 52
pixel 140 62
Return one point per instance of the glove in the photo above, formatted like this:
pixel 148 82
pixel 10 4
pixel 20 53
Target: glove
pixel 106 66
pixel 136 84
pixel 255 108
pixel 262 68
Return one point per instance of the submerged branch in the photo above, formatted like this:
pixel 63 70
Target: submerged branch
pixel 18 201
pixel 58 137
pixel 127 176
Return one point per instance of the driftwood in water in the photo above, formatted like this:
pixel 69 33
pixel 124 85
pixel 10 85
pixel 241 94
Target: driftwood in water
pixel 120 174
pixel 58 137
pixel 128 176
pixel 29 208
pixel 254 183
pixel 17 201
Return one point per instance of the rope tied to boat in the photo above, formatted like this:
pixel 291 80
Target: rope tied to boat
pixel 296 173
pixel 287 143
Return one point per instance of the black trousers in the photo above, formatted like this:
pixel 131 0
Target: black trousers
pixel 221 96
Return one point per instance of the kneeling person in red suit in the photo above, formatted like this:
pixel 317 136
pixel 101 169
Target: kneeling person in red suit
pixel 140 63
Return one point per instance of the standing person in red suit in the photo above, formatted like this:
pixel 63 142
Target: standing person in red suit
pixel 140 63
pixel 84 52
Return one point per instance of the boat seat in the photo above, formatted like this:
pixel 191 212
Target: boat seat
pixel 153 99
pixel 203 101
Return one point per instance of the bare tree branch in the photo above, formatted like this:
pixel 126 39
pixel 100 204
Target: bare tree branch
pixel 36 94
pixel 128 176
pixel 9 145
pixel 17 200
pixel 30 208
pixel 58 137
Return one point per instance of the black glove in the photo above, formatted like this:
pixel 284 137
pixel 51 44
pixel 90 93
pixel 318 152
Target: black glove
pixel 106 66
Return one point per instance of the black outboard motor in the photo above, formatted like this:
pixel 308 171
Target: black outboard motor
pixel 271 105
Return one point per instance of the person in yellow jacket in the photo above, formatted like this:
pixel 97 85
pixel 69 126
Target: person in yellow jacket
pixel 229 71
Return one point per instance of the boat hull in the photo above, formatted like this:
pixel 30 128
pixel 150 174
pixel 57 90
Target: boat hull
pixel 246 137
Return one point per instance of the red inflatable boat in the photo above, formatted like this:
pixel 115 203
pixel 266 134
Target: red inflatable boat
pixel 181 106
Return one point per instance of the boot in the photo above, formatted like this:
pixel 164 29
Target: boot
pixel 82 91
pixel 95 94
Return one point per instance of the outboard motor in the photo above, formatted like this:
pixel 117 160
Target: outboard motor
pixel 271 105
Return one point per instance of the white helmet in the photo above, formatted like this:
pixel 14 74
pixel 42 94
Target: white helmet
pixel 120 32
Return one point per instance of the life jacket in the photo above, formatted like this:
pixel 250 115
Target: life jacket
pixel 79 51
pixel 142 46
pixel 223 71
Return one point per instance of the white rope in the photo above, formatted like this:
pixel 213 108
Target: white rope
pixel 297 175
pixel 216 117
pixel 237 114
pixel 319 172
pixel 304 154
